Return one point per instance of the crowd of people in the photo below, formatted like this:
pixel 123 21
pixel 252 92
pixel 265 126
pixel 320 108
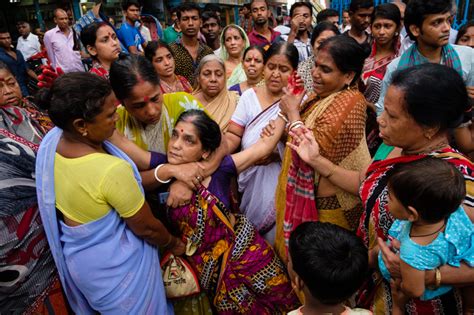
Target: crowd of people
pixel 298 169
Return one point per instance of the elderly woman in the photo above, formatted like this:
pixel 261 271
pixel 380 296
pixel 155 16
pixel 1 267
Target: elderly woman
pixel 234 41
pixel 321 32
pixel 161 56
pixel 336 116
pixel 88 220
pixel 412 126
pixel 253 68
pixel 29 282
pixel 211 90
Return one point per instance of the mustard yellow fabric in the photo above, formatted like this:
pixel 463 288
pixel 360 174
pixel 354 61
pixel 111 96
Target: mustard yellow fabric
pixel 88 187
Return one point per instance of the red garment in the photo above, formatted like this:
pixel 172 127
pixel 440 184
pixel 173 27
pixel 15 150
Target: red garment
pixel 260 40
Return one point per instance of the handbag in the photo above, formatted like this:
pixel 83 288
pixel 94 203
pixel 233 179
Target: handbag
pixel 179 278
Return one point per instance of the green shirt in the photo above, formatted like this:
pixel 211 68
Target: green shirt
pixel 170 35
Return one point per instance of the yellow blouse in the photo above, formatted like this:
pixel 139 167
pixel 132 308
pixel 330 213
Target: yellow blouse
pixel 88 187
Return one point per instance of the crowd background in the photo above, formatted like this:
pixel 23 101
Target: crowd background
pixel 285 157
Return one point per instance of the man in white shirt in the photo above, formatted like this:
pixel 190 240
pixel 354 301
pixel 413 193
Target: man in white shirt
pixel 28 43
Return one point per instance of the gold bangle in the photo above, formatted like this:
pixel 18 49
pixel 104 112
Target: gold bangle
pixel 437 278
pixel 331 171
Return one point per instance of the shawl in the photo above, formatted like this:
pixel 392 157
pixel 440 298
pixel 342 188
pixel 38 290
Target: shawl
pixel 412 57
pixel 338 123
pixel 156 137
pixel 222 107
pixel 103 265
pixel 24 121
pixel 238 75
pixel 23 246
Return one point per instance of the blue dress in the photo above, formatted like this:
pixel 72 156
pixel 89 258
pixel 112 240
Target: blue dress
pixel 452 246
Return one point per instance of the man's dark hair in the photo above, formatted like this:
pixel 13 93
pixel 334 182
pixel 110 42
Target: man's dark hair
pixel 301 4
pixel 128 4
pixel 210 15
pixel 417 10
pixel 331 261
pixel 321 27
pixel 187 6
pixel 360 4
pixel 325 14
pixel 251 2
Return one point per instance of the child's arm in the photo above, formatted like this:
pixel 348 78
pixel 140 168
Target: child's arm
pixel 399 299
pixel 413 280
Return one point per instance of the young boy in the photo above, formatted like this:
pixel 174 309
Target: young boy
pixel 327 263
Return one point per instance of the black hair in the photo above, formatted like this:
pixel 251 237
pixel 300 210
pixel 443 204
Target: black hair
pixel 434 199
pixel 323 15
pixel 89 34
pixel 209 15
pixel 128 4
pixel 339 47
pixel 21 22
pixel 254 47
pixel 430 100
pixel 4 30
pixel 212 7
pixel 75 95
pixel 209 132
pixel 187 6
pixel 463 30
pixel 417 10
pixel 360 4
pixel 247 5
pixel 321 27
pixel 331 261
pixel 4 66
pixel 252 1
pixel 301 4
pixel 127 71
pixel 152 47
pixel 388 11
pixel 283 48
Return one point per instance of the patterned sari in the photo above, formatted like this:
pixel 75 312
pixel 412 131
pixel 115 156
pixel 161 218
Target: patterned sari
pixel 376 220
pixel 237 268
pixel 338 123
pixel 24 251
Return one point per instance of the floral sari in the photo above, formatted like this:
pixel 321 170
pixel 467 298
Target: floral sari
pixel 338 123
pixel 237 268
pixel 376 221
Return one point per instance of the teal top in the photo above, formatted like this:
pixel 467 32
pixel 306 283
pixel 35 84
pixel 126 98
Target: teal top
pixel 170 35
pixel 382 152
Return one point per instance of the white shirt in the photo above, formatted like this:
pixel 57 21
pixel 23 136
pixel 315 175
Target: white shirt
pixel 29 46
pixel 304 49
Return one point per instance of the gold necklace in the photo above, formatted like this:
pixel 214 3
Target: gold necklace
pixel 170 88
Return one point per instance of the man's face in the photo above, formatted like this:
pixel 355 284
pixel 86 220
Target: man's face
pixel 190 22
pixel 303 18
pixel 174 17
pixel 334 20
pixel 211 29
pixel 345 18
pixel 61 19
pixel 23 29
pixel 360 19
pixel 434 31
pixel 132 13
pixel 5 40
pixel 260 12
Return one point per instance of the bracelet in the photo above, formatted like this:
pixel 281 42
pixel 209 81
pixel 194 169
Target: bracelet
pixel 295 125
pixel 331 171
pixel 282 116
pixel 466 124
pixel 437 278
pixel 157 178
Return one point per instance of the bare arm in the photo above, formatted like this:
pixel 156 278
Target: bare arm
pixel 413 280
pixel 464 139
pixel 139 156
pixel 32 74
pixel 260 149
pixel 147 227
pixel 233 137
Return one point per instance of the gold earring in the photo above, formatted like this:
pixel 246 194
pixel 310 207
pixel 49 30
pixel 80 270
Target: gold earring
pixel 84 134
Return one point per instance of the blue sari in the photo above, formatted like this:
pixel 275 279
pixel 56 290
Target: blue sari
pixel 103 266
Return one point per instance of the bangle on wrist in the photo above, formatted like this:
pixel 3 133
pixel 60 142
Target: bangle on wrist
pixel 295 125
pixel 282 116
pixel 157 178
pixel 331 171
pixel 437 278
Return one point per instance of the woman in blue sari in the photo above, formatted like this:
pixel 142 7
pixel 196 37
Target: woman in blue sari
pixel 101 231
